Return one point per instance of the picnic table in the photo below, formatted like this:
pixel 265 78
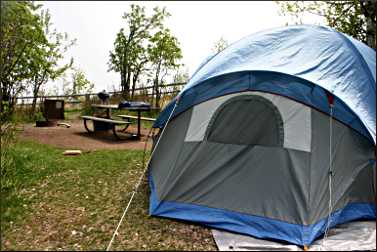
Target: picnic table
pixel 107 122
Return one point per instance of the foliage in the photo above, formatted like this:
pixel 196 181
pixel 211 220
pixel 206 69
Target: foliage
pixel 87 109
pixel 44 63
pixel 356 18
pixel 4 112
pixel 21 114
pixel 181 76
pixel 220 45
pixel 21 32
pixel 163 54
pixel 129 54
pixel 79 84
pixel 143 48
pixel 39 116
pixel 30 51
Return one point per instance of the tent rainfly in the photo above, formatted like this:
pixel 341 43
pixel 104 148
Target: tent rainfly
pixel 271 135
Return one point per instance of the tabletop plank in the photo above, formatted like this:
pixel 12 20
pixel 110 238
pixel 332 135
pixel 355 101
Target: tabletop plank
pixel 108 120
pixel 108 106
pixel 115 106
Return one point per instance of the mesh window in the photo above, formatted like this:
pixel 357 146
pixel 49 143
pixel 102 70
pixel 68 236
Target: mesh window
pixel 247 120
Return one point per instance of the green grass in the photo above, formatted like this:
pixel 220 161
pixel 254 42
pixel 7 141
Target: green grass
pixel 30 165
pixel 72 114
pixel 22 116
pixel 75 202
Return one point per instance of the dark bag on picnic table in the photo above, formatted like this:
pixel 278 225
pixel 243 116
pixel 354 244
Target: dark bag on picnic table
pixel 126 104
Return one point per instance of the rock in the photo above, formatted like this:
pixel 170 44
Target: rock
pixel 72 152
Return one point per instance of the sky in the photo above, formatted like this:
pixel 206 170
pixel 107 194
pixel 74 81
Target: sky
pixel 197 25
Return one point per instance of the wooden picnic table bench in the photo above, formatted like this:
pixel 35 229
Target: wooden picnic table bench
pixel 106 123
pixel 138 118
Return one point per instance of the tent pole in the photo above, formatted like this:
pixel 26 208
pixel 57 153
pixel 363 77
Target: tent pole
pixel 330 173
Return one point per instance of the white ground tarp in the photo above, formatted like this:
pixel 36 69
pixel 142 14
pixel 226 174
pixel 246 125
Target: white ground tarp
pixel 357 235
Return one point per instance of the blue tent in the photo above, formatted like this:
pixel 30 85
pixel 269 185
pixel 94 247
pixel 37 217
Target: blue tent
pixel 291 74
pixel 311 59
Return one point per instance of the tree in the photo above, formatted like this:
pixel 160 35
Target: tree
pixel 29 53
pixel 21 32
pixel 220 45
pixel 45 58
pixel 139 67
pixel 164 54
pixel 53 90
pixel 77 83
pixel 181 75
pixel 130 47
pixel 356 18
pixel 81 85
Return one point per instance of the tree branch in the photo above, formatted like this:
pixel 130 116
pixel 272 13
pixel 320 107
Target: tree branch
pixel 17 59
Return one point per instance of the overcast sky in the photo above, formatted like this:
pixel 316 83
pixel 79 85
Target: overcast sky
pixel 197 25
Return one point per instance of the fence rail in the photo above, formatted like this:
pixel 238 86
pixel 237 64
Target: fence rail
pixel 140 93
pixel 114 92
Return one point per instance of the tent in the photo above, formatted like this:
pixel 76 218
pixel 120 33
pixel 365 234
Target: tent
pixel 270 135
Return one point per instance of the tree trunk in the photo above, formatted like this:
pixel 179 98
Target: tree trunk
pixel 371 38
pixel 34 104
pixel 368 7
pixel 152 96
pixel 122 84
pixel 156 85
pixel 124 73
pixel 4 97
pixel 156 90
pixel 5 102
pixel 371 31
pixel 74 87
pixel 157 100
pixel 134 79
pixel 126 92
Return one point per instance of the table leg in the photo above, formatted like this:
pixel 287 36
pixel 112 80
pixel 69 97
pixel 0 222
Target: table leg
pixel 115 133
pixel 86 127
pixel 138 123
pixel 138 134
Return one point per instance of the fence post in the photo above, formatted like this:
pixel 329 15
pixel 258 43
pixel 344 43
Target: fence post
pixel 87 99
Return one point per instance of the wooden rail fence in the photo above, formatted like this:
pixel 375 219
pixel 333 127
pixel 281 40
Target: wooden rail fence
pixel 141 93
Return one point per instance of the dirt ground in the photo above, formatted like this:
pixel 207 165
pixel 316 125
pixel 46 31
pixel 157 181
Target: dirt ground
pixel 76 137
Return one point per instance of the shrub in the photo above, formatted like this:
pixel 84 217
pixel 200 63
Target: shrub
pixel 39 117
